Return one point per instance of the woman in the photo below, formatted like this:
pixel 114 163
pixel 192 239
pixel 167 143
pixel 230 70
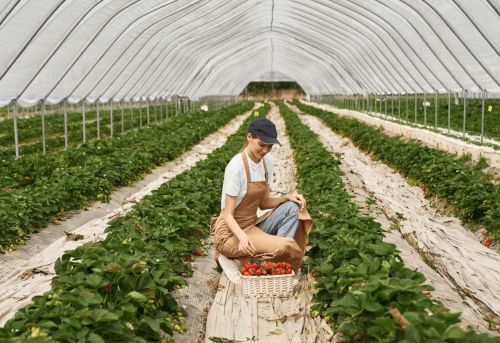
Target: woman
pixel 278 235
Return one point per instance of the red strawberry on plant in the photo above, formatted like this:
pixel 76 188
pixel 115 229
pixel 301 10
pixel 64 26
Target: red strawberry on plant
pixel 487 242
pixel 196 252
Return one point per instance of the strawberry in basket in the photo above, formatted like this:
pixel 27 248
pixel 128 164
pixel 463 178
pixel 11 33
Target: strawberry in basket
pixel 266 268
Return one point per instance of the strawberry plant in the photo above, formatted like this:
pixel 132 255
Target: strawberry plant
pixel 364 290
pixel 37 189
pixel 457 180
pixel 120 289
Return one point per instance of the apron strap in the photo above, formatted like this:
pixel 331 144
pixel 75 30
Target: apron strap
pixel 245 163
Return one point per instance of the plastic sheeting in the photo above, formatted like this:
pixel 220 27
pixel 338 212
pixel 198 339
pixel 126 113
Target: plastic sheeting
pixel 137 49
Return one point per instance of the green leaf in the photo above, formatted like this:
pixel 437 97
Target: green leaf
pixel 453 332
pixel 137 297
pixel 94 338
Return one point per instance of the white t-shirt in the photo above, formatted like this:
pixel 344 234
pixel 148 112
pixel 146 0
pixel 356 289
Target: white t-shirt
pixel 235 177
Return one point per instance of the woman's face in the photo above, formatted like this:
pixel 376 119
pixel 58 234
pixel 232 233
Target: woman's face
pixel 256 147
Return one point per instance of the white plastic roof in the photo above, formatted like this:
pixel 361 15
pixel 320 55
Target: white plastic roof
pixel 118 49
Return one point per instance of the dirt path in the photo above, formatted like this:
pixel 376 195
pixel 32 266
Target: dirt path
pixel 28 271
pixel 466 274
pixel 232 316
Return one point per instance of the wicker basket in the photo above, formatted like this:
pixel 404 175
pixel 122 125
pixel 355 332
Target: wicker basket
pixel 267 285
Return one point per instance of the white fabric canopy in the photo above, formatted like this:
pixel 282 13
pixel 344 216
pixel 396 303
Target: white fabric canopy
pixel 137 49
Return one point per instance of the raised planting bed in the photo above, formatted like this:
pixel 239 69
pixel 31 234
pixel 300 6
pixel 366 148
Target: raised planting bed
pixel 473 194
pixel 364 290
pixel 38 188
pixel 119 289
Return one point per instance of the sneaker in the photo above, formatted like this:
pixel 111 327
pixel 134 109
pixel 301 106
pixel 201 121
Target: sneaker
pixel 231 268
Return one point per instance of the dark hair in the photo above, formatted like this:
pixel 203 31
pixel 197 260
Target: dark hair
pixel 246 142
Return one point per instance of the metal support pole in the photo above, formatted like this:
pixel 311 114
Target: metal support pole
pixel 65 124
pixel 386 113
pixel 156 116
pixel 436 110
pixel 425 108
pixel 147 110
pixel 392 105
pixel 123 121
pixel 131 114
pixel 415 108
pixel 140 114
pixel 84 123
pixel 483 95
pixel 406 108
pixel 44 145
pixel 16 137
pixel 111 117
pixel 399 106
pixel 449 111
pixel 98 118
pixel 161 112
pixel 465 111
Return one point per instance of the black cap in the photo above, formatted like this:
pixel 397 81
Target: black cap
pixel 265 130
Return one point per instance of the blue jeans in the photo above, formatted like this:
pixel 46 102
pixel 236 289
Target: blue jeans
pixel 283 221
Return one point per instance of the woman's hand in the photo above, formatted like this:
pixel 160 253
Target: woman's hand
pixel 298 199
pixel 246 246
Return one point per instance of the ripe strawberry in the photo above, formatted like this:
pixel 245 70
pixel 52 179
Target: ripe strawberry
pixel 196 252
pixel 487 242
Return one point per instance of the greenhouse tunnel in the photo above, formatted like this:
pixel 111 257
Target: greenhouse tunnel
pixel 388 115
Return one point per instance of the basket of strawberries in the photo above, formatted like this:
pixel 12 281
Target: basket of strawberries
pixel 267 279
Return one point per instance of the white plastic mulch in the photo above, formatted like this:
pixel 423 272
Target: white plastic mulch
pixel 464 272
pixel 28 271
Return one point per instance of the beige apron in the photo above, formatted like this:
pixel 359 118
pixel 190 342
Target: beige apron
pixel 268 247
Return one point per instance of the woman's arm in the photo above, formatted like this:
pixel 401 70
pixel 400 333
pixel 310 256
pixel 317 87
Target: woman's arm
pixel 245 244
pixel 272 202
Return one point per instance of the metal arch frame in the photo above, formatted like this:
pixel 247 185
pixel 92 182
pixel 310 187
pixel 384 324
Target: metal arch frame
pixel 459 63
pixel 348 71
pixel 373 54
pixel 212 74
pixel 170 55
pixel 485 68
pixel 88 44
pixel 155 47
pixel 240 82
pixel 55 50
pixel 113 63
pixel 407 50
pixel 424 41
pixel 354 33
pixel 217 75
pixel 9 11
pixel 177 68
pixel 27 42
pixel 120 35
pixel 214 57
pixel 222 56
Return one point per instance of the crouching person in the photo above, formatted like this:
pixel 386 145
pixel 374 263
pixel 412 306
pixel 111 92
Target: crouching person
pixel 278 235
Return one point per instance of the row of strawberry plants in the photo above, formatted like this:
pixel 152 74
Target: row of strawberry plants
pixel 364 289
pixel 47 186
pixel 30 130
pixel 15 173
pixel 120 289
pixel 404 109
pixel 473 194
